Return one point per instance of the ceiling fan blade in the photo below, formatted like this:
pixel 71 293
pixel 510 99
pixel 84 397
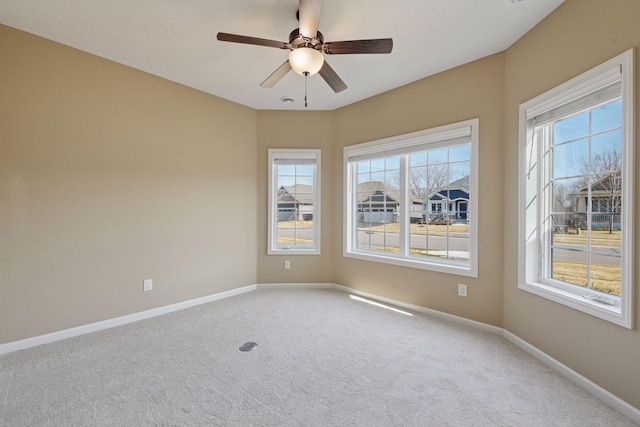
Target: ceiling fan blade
pixel 358 46
pixel 309 12
pixel 332 78
pixel 278 74
pixel 225 37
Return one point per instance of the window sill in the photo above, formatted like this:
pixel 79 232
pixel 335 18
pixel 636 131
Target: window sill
pixel 450 267
pixel 599 309
pixel 293 252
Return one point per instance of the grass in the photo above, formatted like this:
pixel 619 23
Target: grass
pixel 604 277
pixel 435 230
pixel 598 238
pixel 295 224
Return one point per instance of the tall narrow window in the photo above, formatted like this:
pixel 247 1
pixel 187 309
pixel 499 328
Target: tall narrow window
pixel 576 192
pixel 294 201
pixel 411 200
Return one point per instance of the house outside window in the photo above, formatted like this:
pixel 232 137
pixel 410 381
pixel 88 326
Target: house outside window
pixel 294 201
pixel 576 192
pixel 403 201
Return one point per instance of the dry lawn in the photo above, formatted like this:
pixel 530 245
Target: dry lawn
pixel 598 238
pixel 434 230
pixel 604 277
pixel 295 224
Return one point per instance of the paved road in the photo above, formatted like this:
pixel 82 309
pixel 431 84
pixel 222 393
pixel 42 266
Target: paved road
pixel 459 245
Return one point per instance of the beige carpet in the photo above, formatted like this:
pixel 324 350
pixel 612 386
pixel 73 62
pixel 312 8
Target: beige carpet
pixel 323 359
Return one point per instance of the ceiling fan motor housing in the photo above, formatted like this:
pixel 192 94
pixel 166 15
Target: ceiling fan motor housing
pixel 297 40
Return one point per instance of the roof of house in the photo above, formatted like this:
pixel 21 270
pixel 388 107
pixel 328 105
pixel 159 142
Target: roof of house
pixel 366 189
pixel 452 195
pixel 298 193
pixel 457 190
pixel 601 185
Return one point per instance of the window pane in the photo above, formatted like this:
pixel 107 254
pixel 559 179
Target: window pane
pixel 458 243
pixel 570 266
pixel 378 201
pixel 459 174
pixel 286 169
pixel 364 166
pixel 460 153
pixel 606 274
pixel 437 177
pixel 569 233
pixel 571 159
pixel 418 159
pixel 571 128
pixel 608 116
pixel 437 238
pixel 418 240
pixel 438 156
pixel 377 165
pixel 304 170
pixel 566 194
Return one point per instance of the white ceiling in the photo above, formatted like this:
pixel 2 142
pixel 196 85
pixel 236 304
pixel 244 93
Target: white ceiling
pixel 177 40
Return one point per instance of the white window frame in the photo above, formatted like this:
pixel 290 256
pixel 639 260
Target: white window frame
pixel 416 141
pixel 302 154
pixel 531 247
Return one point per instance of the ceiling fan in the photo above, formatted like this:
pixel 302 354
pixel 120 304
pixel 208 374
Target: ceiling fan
pixel 307 46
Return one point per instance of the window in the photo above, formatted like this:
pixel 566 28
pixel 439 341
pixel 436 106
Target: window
pixel 576 192
pixel 294 201
pixel 411 200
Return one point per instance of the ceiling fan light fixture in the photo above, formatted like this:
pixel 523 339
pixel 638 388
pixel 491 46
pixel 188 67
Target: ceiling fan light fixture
pixel 305 60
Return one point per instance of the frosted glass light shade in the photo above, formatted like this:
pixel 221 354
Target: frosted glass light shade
pixel 306 60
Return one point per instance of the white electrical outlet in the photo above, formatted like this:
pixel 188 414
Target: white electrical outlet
pixel 287 264
pixel 148 285
pixel 462 290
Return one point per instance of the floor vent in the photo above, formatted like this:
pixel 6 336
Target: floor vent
pixel 248 346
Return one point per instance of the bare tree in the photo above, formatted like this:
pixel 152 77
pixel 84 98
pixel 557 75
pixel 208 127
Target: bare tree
pixel 426 180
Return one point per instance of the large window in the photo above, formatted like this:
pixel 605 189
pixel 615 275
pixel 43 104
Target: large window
pixel 294 201
pixel 576 189
pixel 411 200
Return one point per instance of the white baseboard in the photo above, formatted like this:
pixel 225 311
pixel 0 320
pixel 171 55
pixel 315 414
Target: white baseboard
pixel 620 405
pixel 419 309
pixel 117 321
pixel 295 285
pixel 609 398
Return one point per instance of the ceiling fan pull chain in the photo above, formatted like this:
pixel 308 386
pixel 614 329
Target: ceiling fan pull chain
pixel 306 75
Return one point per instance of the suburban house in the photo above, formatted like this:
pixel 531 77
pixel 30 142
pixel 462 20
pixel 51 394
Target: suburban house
pixel 606 203
pixel 452 202
pixel 295 202
pixel 112 175
pixel 378 203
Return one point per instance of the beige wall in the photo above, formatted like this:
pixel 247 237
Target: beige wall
pixel 109 176
pixel 296 129
pixel 576 37
pixel 466 92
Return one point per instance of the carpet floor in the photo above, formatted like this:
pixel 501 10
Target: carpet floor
pixel 322 359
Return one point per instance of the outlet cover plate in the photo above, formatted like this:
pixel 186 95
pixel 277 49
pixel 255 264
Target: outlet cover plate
pixel 148 285
pixel 462 290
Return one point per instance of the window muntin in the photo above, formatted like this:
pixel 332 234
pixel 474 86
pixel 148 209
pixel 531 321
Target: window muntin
pixel 294 212
pixel 576 192
pixel 410 199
